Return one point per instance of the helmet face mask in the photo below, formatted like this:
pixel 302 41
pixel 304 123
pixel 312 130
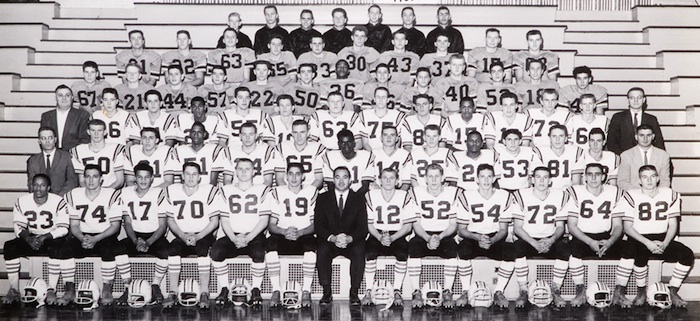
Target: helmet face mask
pixel 540 294
pixel 382 293
pixel 598 295
pixel 240 291
pixel 480 295
pixel 87 294
pixel 34 292
pixel 139 294
pixel 188 292
pixel 291 295
pixel 432 294
pixel 659 296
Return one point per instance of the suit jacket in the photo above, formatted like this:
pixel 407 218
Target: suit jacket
pixel 328 221
pixel 62 173
pixel 630 162
pixel 621 132
pixel 75 130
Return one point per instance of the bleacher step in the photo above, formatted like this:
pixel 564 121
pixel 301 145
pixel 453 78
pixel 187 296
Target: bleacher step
pixel 86 46
pixel 19 129
pixel 50 57
pixel 13 162
pixel 612 36
pixel 15 180
pixel 94 34
pixel 77 23
pixel 597 61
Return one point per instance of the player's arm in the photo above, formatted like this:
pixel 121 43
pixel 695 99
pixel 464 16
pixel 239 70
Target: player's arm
pixel 616 231
pixel 214 177
pixel 259 228
pixel 420 231
pixel 365 187
pixel 577 179
pixel 128 228
pixel 318 180
pixel 450 230
pixel 173 227
pixel 502 232
pixel 670 232
pixel 75 229
pixel 274 228
pixel 199 78
pixel 632 232
pixel 267 179
pixel 520 232
pixel 119 173
pixel 558 231
pixel 465 233
pixel 402 232
pixel 210 228
pixel 572 223
pixel 113 229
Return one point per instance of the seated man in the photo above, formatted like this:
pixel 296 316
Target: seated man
pixel 468 162
pixel 145 224
pixel 580 125
pixel 263 156
pixel 461 124
pixel 88 91
pixel 154 116
pixel 643 154
pixel 291 230
pixel 263 91
pixel 210 158
pixel 117 119
pixel 109 157
pixel 301 150
pixel 199 112
pixel 565 161
pixel 154 154
pixel 176 92
pixel 52 162
pixel 480 58
pixel 372 121
pixel 413 127
pixel 432 153
pixel 359 162
pixel 132 92
pixel 596 154
pixel 326 124
pixel 391 156
pixel 34 239
pixel 595 221
pixel 148 59
pixel 652 235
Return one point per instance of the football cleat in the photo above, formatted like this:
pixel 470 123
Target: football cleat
pixel 305 299
pixel 500 300
pixel 255 298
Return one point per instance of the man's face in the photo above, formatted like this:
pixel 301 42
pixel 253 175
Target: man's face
pixel 175 76
pixel 144 179
pixel 261 71
pixel 40 187
pixel 286 107
pixel 109 102
pixel 197 134
pixel 294 176
pixel 557 138
pixel 442 43
pixel 248 136
pixel 467 109
pixel 432 138
pixel 359 38
pixel 346 145
pixel 245 171
pixel 97 133
pixel 306 74
pixel 594 177
pixel 317 45
pixel 587 106
pixel 47 140
pixel 381 98
pixel 649 179
pixel 443 17
pixel 136 40
pixel 198 109
pixel 275 46
pixel 636 99
pixel 190 176
pixel 423 79
pixel 64 98
pixel 493 39
pixel 306 20
pixel 497 74
pixel 534 42
pixel 423 106
pixel 218 76
pixel 271 16
pixel 133 74
pixel 509 106
pixel 433 179
pixel 388 181
pixel 149 141
pixel 389 137
pixel 183 41
pixel 399 41
pixel 645 137
pixel 230 39
pixel 342 69
pixel 512 142
pixel 341 180
pixel 90 75
pixel 596 143
pixel 300 134
pixel 535 70
pixel 153 104
pixel 549 101
pixel 457 66
pixel 541 180
pixel 234 22
pixel 339 20
pixel 93 179
pixel 583 80
pixel 408 17
pixel 474 143
pixel 336 104
pixel 243 99
pixel 374 15
pixel 485 179
pixel 382 75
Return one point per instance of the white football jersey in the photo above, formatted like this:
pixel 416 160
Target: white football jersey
pixel 541 124
pixel 211 158
pixel 488 96
pixel 148 60
pixel 275 130
pixel 531 94
pixel 412 130
pixel 562 167
pixel 595 212
pixel 166 124
pixel 144 211
pixel 325 127
pixel 213 125
pixel 371 125
pixel 40 219
pixel 295 209
pixel 310 158
pixel 435 212
pixel 610 160
pixel 244 208
pixel 496 123
pixel 484 215
pixel 159 160
pixel 89 96
pixel 455 133
pixel 96 215
pixel 450 91
pixel 395 92
pixel 400 160
pixel 361 167
pixel 443 157
pixel 116 130
pixel 177 99
pixel 284 67
pixel 479 59
pixel 539 216
pixel 522 59
pixel 110 158
pixel 233 122
pixel 192 213
pixel 516 169
pixel 237 62
pixel 467 166
pixel 439 66
pixel 264 159
pixel 578 128
pixel 650 215
pixel 389 215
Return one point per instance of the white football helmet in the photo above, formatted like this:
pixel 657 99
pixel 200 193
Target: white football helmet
pixel 382 292
pixel 598 295
pixel 539 293
pixel 480 295
pixel 291 295
pixel 432 293
pixel 240 291
pixel 140 293
pixel 35 291
pixel 188 292
pixel 659 296
pixel 87 294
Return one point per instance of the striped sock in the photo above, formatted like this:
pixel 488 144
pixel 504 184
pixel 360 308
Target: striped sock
pixel 505 271
pixel 450 273
pixel 640 273
pixel 54 272
pixel 68 270
pixel 272 261
pixel 257 270
pixel 414 267
pixel 370 272
pixel 521 271
pixel 174 266
pixel 204 267
pixel 623 271
pixel 577 270
pixel 108 270
pixel 309 267
pixel 559 272
pixel 13 267
pixel 399 274
pixel 680 271
pixel 221 272
pixel 124 267
pixel 466 271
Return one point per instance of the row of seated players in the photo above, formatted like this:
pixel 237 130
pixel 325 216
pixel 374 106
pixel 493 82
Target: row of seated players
pixel 87 220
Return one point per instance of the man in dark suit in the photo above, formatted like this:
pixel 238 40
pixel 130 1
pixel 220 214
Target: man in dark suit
pixel 340 221
pixel 53 162
pixel 235 22
pixel 70 124
pixel 643 154
pixel 622 131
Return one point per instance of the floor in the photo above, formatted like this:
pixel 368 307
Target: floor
pixel 340 310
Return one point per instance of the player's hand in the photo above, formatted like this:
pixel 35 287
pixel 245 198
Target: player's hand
pixel 292 233
pixel 484 242
pixel 595 246
pixel 653 247
pixel 385 239
pixel 434 242
pixel 190 239
pixel 88 242
pixel 603 245
pixel 141 245
pixel 542 246
pixel 660 246
pixel 33 242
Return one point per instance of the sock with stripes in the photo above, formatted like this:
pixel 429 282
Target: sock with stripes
pixel 505 271
pixel 174 266
pixel 124 268
pixel 577 270
pixel 108 270
pixel 257 270
pixel 521 272
pixel 414 267
pixel 204 267
pixel 272 261
pixel 309 269
pixel 640 274
pixel 680 271
pixel 450 273
pixel 623 271
pixel 466 271
pixel 370 272
pixel 399 274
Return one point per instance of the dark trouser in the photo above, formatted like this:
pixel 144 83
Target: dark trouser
pixel 277 243
pixel 618 250
pixel 675 252
pixel 178 247
pixel 499 251
pixel 418 248
pixel 17 248
pixel 559 250
pixel 355 252
pixel 159 248
pixel 398 249
pixel 104 248
pixel 224 248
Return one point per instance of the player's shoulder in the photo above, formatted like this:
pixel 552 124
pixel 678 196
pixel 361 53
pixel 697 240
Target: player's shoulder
pixel 477 51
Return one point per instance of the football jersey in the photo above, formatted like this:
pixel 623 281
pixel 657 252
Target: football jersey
pixel 89 96
pixel 110 158
pixel 233 122
pixel 236 62
pixel 195 61
pixel 516 169
pixel 412 130
pixel 211 158
pixel 541 123
pixel 361 167
pixel 450 91
pixel 443 157
pixel 395 92
pixel 467 166
pixel 144 211
pixel 522 59
pixel 360 62
pixel 579 129
pixel 479 60
pixel 132 99
pixel 439 66
pixel 483 215
pixel 496 123
pixel 192 213
pixel 389 215
pixel 371 125
pixel 569 96
pixel 435 212
pixel 165 124
pixel 531 94
pixel 245 208
pixel 456 130
pixel 96 215
pixel 149 61
pixel 264 159
pixel 158 160
pixel 50 217
pixel 325 63
pixel 275 130
pixel 488 96
pixel 650 215
pixel 117 132
pixel 610 160
pixel 350 88
pixel 407 100
pixel 177 99
pixel 284 67
pixel 402 65
pixel 325 127
pixel 308 98
pixel 595 212
pixel 295 209
pixel 539 216
pixel 562 167
pixel 213 124
pixel 216 98
pixel 310 158
pixel 263 97
pixel 400 160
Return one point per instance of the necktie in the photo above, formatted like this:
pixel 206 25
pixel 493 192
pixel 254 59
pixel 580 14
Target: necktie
pixel 636 122
pixel 646 160
pixel 48 162
pixel 340 205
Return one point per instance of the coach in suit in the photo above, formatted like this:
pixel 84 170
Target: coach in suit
pixel 622 129
pixel 53 162
pixel 70 124
pixel 340 221
pixel 643 154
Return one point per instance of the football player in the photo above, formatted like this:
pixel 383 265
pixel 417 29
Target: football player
pixel 422 86
pixel 284 63
pixel 211 158
pixel 438 61
pixel 108 157
pixel 151 152
pixel 544 118
pixel 155 117
pixel 451 90
pixel 391 156
pixel 489 92
pixel 263 156
pixel 360 58
pixel 132 92
pixel 217 93
pixel 192 62
pixel 373 120
pixel 278 129
pixel 383 79
pixel 565 161
pixel 569 95
pixel 176 93
pixel 468 162
pixel 351 88
pixel 304 152
pixel 515 162
pixel 401 62
pixel 359 162
pixel 116 119
pixel 596 154
pixel 234 117
pixel 459 125
pixel 199 113
pixel 582 124
pixel 412 129
pixel 432 153
pixel 549 61
pixel 148 60
pixel 88 92
pixel 235 22
pixel 530 90
pixel 480 58
pixel 306 93
pixel 323 60
pixel 263 92
pixel 325 124
pixel 236 60
pixel 507 118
